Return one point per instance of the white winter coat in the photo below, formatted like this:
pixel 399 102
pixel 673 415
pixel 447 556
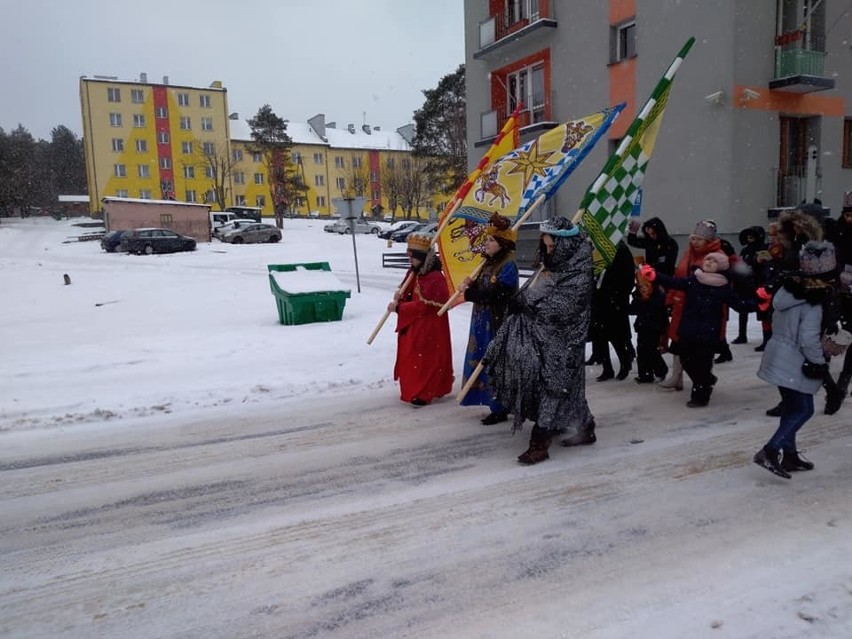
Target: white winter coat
pixel 796 331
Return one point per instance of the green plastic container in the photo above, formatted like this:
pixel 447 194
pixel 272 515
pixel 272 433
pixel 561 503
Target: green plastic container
pixel 306 308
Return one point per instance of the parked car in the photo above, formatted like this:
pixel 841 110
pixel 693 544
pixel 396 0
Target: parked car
pixel 361 226
pixel 149 241
pixel 219 231
pixel 397 226
pixel 253 234
pixel 218 218
pixel 254 213
pixel 425 227
pixel 111 242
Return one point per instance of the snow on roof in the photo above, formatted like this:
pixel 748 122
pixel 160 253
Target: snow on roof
pixel 144 201
pixel 73 198
pixel 303 133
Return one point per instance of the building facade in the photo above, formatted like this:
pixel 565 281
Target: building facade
pixel 758 118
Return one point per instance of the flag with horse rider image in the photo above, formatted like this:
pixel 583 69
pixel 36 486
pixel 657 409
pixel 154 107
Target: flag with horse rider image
pixel 513 186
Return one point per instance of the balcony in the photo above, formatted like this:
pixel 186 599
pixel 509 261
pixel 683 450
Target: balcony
pixel 800 70
pixel 520 19
pixel 530 122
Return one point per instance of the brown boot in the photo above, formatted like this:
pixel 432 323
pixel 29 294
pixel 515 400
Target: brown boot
pixel 584 436
pixel 540 441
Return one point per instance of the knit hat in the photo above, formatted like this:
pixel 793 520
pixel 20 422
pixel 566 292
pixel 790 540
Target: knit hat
pixel 705 229
pixel 501 227
pixel 721 260
pixel 817 260
pixel 419 244
pixel 559 227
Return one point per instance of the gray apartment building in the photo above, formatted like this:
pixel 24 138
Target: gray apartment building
pixel 758 119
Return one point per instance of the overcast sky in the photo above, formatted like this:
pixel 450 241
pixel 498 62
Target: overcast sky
pixel 338 57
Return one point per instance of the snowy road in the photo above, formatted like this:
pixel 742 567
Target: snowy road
pixel 365 518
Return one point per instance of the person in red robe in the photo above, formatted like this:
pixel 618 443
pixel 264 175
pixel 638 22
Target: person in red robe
pixel 424 359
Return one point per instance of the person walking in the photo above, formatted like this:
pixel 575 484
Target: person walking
pixel 660 248
pixel 424 361
pixel 490 293
pixel 610 323
pixel 652 321
pixel 793 359
pixel 535 362
pixel 753 242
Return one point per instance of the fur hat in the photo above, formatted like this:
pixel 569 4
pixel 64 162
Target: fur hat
pixel 721 260
pixel 419 244
pixel 706 229
pixel 818 260
pixel 500 227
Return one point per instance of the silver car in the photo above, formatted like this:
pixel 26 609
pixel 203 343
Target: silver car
pixel 253 234
pixel 361 226
pixel 233 225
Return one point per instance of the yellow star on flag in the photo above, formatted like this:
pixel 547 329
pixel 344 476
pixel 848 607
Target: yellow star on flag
pixel 530 163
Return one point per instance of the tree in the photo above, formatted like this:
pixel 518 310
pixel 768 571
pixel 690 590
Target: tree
pixel 441 133
pixel 356 177
pixel 393 185
pixel 67 162
pixel 218 164
pixel 269 137
pixel 415 190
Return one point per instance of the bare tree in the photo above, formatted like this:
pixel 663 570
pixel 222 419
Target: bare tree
pixel 218 164
pixel 393 185
pixel 415 185
pixel 356 177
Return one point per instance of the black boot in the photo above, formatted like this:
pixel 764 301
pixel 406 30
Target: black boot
pixel 775 411
pixel 626 355
pixel 766 336
pixel 583 437
pixel 742 337
pixel 606 373
pixel 495 418
pixel 725 354
pixel 768 458
pixel 843 383
pixel 700 396
pixel 793 461
pixel 540 441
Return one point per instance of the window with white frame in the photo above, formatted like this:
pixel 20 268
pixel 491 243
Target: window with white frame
pixel 117 144
pixel 376 196
pixel 162 137
pixel 206 124
pixel 320 200
pixel 113 94
pixel 141 145
pixel 240 200
pixel 186 147
pixel 317 158
pixel 239 177
pixel 166 218
pixel 374 176
pixel 208 148
pixel 341 183
pixel 139 120
pixel 189 172
pixel 115 119
pixel 622 41
pixel 319 180
pixel 143 170
pixel 190 195
pixel 183 99
pixel 390 163
pixel 121 193
pixel 204 101
pixel 185 123
pixel 210 196
pixel 526 87
pixel 356 162
pixel 144 194
pixel 517 10
pixel 161 113
pixel 237 155
pixel 257 157
pixel 119 170
pixel 339 162
pixel 137 96
pixel 260 200
pixel 296 157
pixel 165 163
pixel 258 178
pixel 208 171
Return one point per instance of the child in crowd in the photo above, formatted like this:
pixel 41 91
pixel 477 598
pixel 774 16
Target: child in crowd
pixel 651 324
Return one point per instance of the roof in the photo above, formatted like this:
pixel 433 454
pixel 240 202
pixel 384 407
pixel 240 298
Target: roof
pixel 303 133
pixel 74 198
pixel 142 201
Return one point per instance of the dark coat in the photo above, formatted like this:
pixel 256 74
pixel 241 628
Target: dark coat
pixel 610 300
pixel 651 314
pixel 660 253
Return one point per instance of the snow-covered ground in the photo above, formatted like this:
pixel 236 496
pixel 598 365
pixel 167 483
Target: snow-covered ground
pixel 176 463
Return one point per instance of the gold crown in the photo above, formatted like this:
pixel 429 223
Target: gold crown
pixel 419 242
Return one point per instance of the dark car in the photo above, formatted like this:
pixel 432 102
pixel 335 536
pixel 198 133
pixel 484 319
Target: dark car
pixel 111 242
pixel 149 241
pixel 426 227
pixel 396 227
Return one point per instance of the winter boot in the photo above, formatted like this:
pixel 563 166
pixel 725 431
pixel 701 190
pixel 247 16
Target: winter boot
pixel 700 396
pixel 843 383
pixel 607 373
pixel 793 461
pixel 742 336
pixel 725 354
pixel 496 417
pixel 626 355
pixel 768 458
pixel 833 398
pixel 767 334
pixel 675 382
pixel 775 411
pixel 540 441
pixel 583 437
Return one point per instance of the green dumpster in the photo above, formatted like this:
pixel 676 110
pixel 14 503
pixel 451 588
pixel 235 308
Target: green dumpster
pixel 306 293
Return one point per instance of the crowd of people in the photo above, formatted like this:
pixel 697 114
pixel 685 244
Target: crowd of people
pixel 526 353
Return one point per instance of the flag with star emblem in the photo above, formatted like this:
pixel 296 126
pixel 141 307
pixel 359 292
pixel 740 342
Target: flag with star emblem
pixel 605 209
pixel 511 184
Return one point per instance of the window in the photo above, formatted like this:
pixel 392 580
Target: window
pixel 115 119
pixel 338 162
pixel 161 113
pixel 165 163
pixel 144 194
pixel 260 200
pixel 208 171
pixel 139 120
pixel 517 10
pixel 526 87
pixel 356 163
pixel 239 177
pixel 240 200
pixel 206 124
pixel 406 163
pixel 162 137
pixel 390 163
pixel 377 195
pixel 319 180
pixel 119 170
pixel 185 123
pixel 257 157
pixel 117 144
pixel 297 157
pixel 183 100
pixel 341 183
pixel 238 155
pixel 190 195
pixel 258 178
pixel 143 171
pixel 113 95
pixel 137 96
pixel 210 196
pixel 186 148
pixel 317 158
pixel 320 200
pixel 141 146
pixel 204 101
pixel 189 172
pixel 622 43
pixel 121 193
pixel 208 148
pixel 847 144
pixel 166 218
pixel 374 176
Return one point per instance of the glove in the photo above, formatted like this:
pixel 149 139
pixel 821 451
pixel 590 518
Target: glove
pixel 814 371
pixel 763 294
pixel 647 271
pixel 633 226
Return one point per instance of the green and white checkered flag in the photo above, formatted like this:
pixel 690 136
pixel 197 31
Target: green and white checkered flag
pixel 607 204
